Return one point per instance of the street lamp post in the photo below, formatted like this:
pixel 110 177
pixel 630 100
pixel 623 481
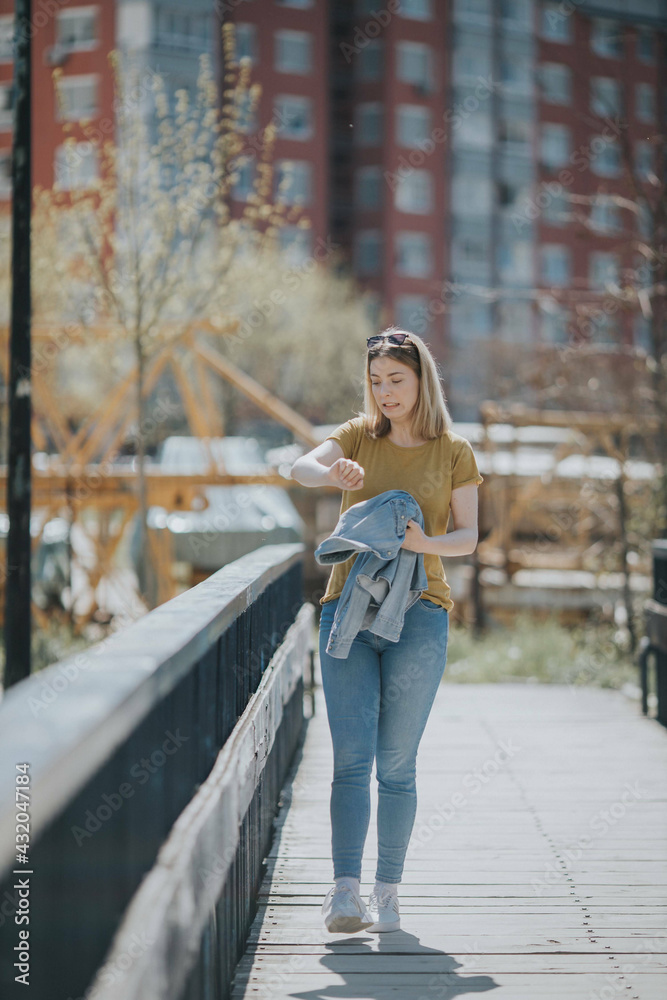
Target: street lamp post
pixel 17 576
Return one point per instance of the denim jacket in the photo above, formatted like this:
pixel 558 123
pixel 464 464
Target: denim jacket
pixel 385 579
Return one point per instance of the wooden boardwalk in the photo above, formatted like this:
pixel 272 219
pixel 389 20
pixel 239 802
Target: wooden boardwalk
pixel 537 864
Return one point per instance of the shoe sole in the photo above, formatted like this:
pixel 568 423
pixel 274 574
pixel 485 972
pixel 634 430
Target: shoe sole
pixel 377 927
pixel 347 925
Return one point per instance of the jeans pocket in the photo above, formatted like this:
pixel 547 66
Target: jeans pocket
pixel 428 605
pixel 328 612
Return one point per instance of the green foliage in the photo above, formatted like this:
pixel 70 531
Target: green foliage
pixel 541 651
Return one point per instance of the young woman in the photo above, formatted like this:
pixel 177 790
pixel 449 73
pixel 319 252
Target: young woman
pixel 379 698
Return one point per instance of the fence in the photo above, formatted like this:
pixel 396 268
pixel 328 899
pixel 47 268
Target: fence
pixel 654 644
pixel 154 762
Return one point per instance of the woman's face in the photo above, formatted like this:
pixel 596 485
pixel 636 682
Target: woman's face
pixel 394 383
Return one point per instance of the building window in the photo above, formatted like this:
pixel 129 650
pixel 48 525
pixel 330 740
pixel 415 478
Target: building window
pixel 644 165
pixel 473 11
pixel 641 271
pixel 372 306
pixel 244 170
pixel 414 64
pixel 470 61
pixel 555 83
pixel 472 193
pixel 414 192
pixel 76 166
pixel 602 269
pixel 5 174
pixel 475 131
pixel 6 38
pixel 418 10
pixel 515 261
pixel 644 220
pixel 246 42
pixel 368 251
pixel 413 125
pixel 76 29
pixel 293 51
pixel 295 244
pixel 293 116
pixel 414 256
pixel 555 264
pixel 604 217
pixel 6 106
pixel 510 194
pixel 514 321
pixel 411 313
pixel 556 211
pixel 555 23
pixel 368 187
pixel 641 331
pixel 645 102
pixel 554 146
pixel 515 136
pixel 293 182
pixel 516 13
pixel 606 158
pixel 470 319
pixel 607 38
pixel 370 61
pixel 516 73
pixel 605 96
pixel 554 322
pixel 79 98
pixel 645 45
pixel 246 114
pixel 369 120
pixel 470 254
pixel 188 32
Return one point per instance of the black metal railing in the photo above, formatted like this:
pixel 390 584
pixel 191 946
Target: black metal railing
pixel 653 646
pixel 120 741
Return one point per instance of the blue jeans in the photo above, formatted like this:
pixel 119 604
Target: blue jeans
pixel 378 701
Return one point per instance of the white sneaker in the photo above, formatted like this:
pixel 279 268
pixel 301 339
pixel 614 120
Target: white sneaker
pixel 344 910
pixel 383 907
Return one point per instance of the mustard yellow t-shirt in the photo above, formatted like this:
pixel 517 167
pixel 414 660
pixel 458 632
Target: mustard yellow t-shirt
pixel 428 471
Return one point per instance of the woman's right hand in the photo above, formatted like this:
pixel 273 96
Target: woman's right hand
pixel 346 474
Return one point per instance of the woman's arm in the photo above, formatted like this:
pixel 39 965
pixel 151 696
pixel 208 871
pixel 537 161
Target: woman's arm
pixel 326 465
pixel 463 539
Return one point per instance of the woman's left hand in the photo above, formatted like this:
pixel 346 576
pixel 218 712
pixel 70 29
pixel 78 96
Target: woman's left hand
pixel 415 540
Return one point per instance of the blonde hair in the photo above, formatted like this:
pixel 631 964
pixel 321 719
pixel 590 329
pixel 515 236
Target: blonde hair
pixel 431 417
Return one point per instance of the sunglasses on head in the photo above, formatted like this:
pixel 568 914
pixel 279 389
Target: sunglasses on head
pixel 390 338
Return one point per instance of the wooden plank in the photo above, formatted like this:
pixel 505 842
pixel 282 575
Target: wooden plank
pixel 530 943
pixel 481 860
pixel 408 965
pixel 443 881
pixel 457 933
pixel 453 985
pixel 508 893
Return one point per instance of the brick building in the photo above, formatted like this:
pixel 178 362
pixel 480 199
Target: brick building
pixel 443 144
pixel 458 132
